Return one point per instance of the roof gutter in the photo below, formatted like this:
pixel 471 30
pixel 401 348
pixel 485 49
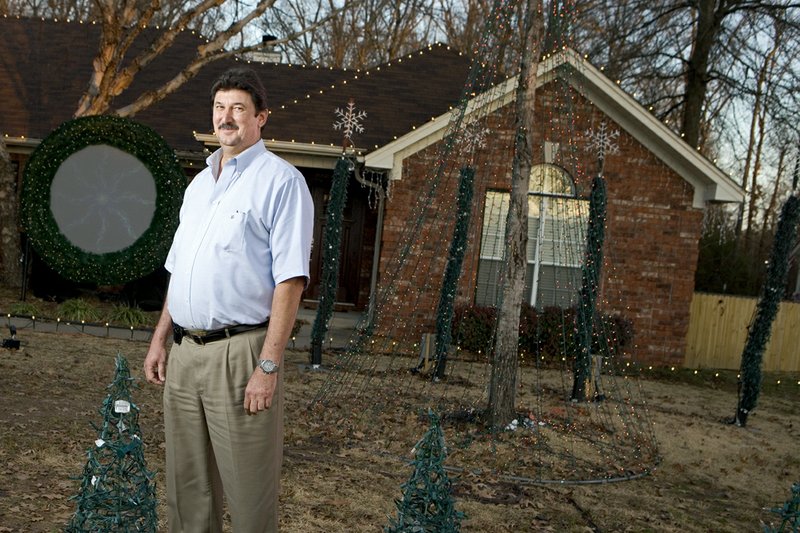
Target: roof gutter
pixel 21 145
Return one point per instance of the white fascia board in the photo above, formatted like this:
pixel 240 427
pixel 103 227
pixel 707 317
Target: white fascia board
pixel 709 182
pixel 298 154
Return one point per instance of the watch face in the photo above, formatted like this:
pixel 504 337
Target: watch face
pixel 268 366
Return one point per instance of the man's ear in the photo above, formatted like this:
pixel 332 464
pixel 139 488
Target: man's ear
pixel 262 117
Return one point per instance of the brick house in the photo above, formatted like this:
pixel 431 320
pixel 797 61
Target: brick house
pixel 657 185
pixel 657 188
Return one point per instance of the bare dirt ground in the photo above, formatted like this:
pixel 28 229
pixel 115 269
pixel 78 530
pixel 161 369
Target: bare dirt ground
pixel 713 476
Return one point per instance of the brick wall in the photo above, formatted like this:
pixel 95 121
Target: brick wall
pixel 10 247
pixel 652 230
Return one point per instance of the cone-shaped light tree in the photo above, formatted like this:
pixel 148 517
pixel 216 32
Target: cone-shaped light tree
pixel 117 491
pixel 427 505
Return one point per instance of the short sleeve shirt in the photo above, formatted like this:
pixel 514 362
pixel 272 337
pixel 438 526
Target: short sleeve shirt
pixel 239 236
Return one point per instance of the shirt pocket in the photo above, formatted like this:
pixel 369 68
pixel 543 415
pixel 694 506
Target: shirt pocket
pixel 232 230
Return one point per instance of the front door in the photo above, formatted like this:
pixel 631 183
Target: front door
pixel 356 252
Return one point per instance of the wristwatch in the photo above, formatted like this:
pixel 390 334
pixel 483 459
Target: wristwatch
pixel 267 366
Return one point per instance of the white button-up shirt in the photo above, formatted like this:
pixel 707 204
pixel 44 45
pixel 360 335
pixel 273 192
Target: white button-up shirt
pixel 238 237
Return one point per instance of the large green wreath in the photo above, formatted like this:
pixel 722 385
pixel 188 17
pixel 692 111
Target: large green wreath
pixel 150 249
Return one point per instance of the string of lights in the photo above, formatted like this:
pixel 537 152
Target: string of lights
pixel 117 491
pixel 552 438
pixel 63 255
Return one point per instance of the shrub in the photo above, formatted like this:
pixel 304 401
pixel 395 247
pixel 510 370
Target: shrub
pixel 528 330
pixel 129 316
pixel 549 333
pixel 556 332
pixel 24 309
pixel 612 334
pixel 473 328
pixel 78 310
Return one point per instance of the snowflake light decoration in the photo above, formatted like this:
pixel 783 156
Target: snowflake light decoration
pixel 602 141
pixel 349 121
pixel 473 138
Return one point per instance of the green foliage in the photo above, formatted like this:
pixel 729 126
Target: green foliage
pixel 117 491
pixel 72 262
pixel 24 309
pixel 77 310
pixel 789 513
pixel 549 333
pixel 331 255
pixel 455 260
pixel 427 505
pixel 724 265
pixel 129 316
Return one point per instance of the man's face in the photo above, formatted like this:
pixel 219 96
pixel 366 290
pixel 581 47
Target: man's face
pixel 237 123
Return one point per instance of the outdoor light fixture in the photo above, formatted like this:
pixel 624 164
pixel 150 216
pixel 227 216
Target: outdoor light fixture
pixel 13 342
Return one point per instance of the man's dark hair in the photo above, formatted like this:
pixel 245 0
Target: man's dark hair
pixel 245 79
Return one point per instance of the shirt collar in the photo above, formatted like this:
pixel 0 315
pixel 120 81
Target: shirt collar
pixel 241 160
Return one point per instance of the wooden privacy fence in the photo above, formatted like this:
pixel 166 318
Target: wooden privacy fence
pixel 718 330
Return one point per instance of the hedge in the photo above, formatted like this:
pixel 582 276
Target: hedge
pixel 549 332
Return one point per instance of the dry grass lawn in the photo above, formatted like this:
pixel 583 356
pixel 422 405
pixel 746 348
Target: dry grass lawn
pixel 712 477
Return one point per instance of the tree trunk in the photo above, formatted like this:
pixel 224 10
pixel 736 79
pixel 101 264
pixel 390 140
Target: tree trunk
pixel 707 28
pixel 503 381
pixel 10 249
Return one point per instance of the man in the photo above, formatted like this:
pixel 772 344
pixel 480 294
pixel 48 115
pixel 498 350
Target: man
pixel 239 263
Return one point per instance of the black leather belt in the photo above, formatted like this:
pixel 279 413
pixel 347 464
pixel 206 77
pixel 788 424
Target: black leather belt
pixel 204 336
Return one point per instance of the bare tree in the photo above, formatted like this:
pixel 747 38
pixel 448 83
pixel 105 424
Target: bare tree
pixel 123 22
pixel 722 73
pixel 461 22
pixel 121 25
pixel 503 380
pixel 369 33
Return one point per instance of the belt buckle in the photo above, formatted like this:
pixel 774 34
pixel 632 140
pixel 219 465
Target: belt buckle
pixel 196 337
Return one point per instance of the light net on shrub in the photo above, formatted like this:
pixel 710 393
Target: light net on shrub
pixel 393 371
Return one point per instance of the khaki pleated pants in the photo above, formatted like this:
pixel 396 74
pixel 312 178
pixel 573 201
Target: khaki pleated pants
pixel 213 445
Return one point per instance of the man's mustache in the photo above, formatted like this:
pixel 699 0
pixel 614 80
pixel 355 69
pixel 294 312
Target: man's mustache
pixel 228 126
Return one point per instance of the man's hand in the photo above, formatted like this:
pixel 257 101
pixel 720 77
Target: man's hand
pixel 259 391
pixel 155 364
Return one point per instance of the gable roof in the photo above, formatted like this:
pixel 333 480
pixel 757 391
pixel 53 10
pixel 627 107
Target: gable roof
pixel 409 101
pixel 46 66
pixel 709 182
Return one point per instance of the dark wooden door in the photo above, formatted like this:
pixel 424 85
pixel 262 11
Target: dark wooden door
pixel 352 245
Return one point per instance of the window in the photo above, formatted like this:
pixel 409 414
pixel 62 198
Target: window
pixel 556 241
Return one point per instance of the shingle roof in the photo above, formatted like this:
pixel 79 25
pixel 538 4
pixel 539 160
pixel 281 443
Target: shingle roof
pixel 45 67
